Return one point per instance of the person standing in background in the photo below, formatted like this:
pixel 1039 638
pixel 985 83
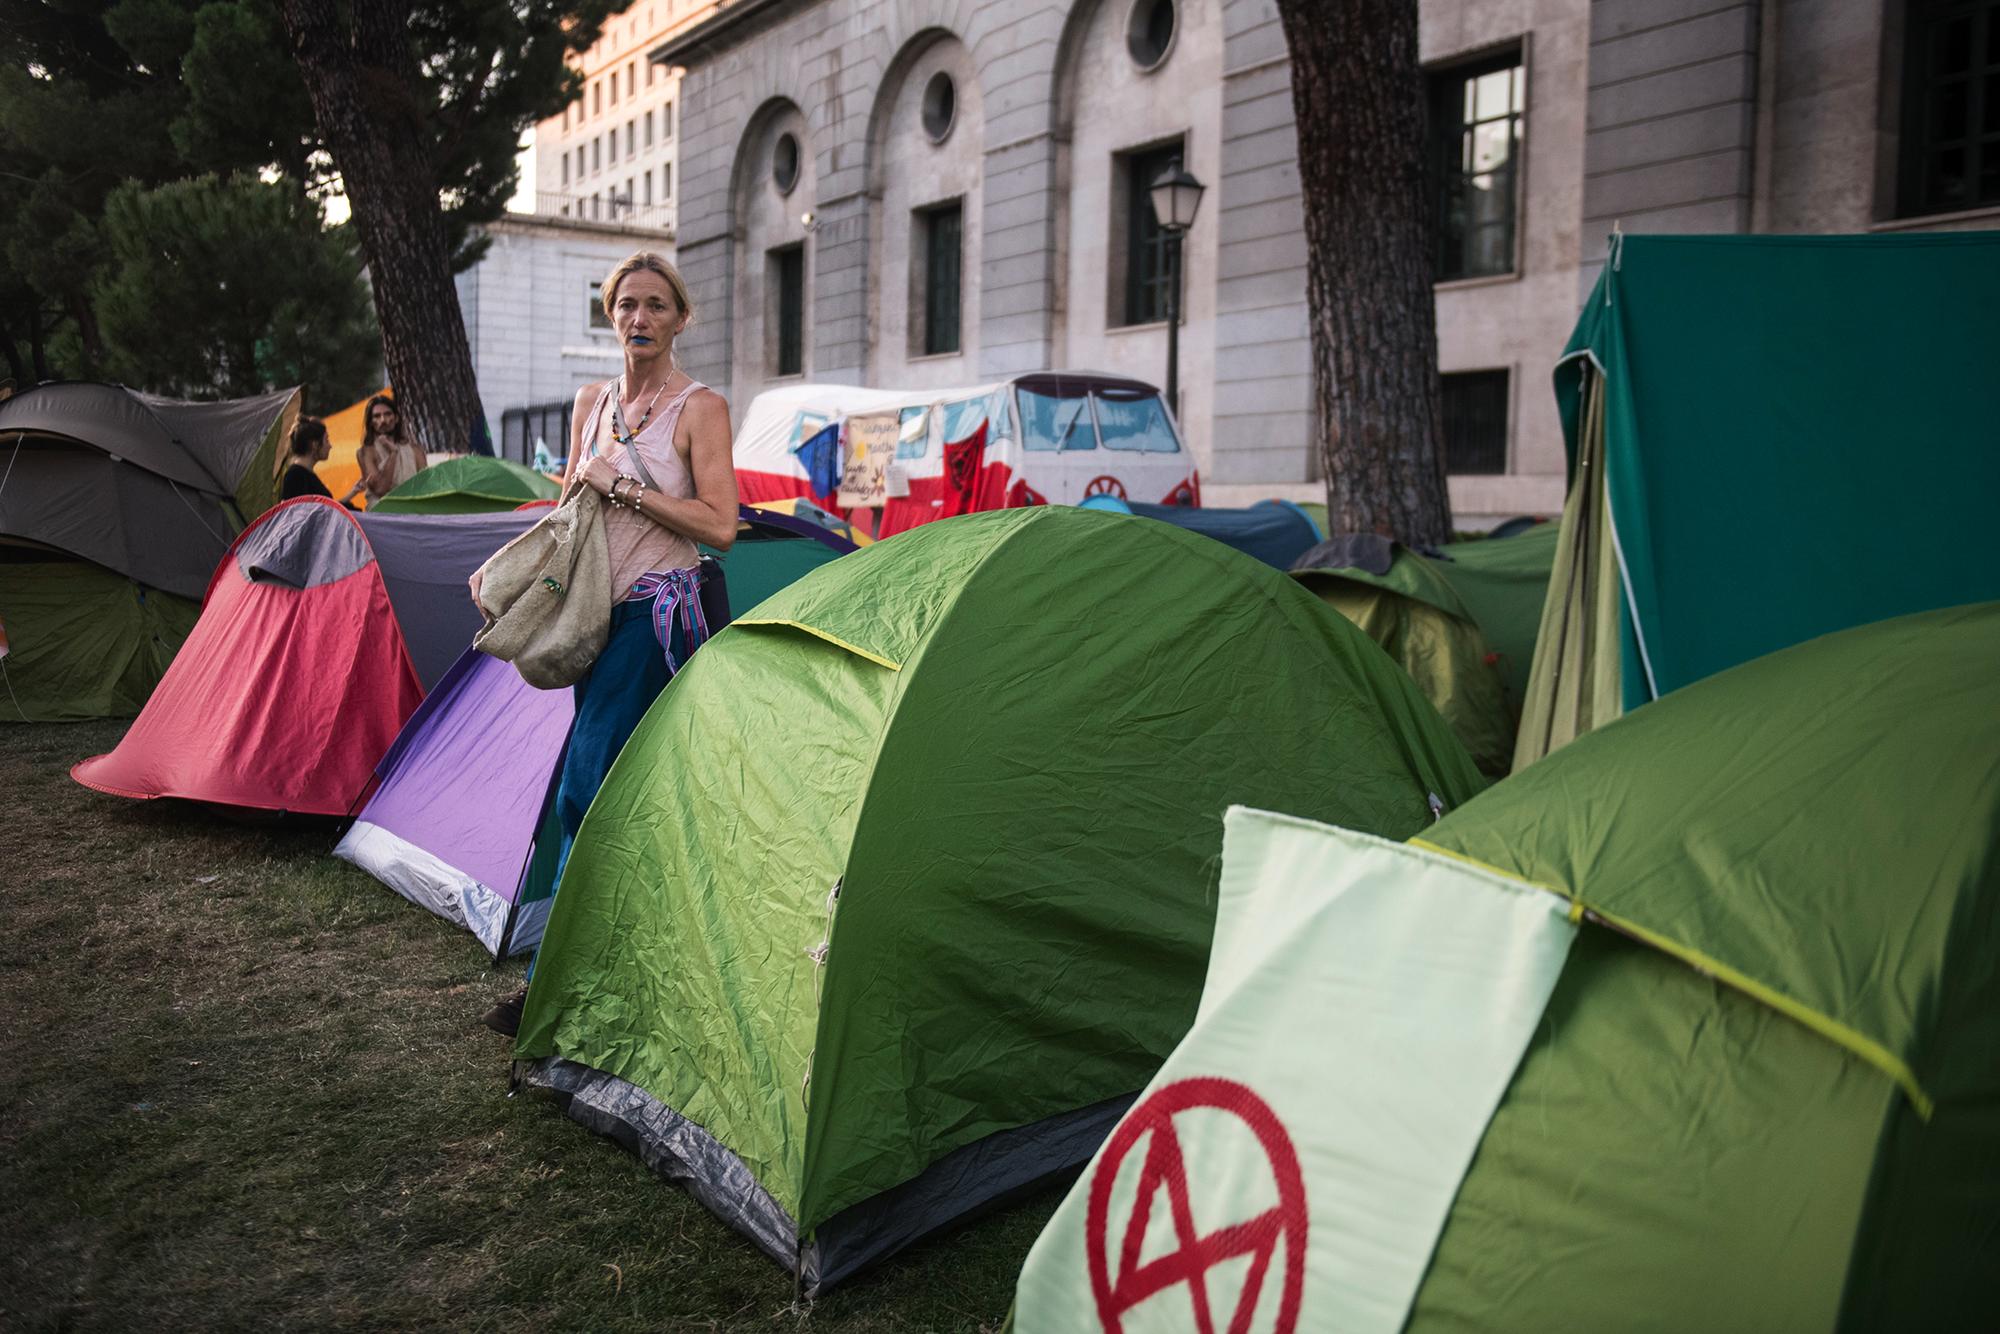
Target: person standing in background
pixel 388 455
pixel 309 448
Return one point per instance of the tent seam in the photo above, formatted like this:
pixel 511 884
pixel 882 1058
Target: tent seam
pixel 1856 1042
pixel 818 633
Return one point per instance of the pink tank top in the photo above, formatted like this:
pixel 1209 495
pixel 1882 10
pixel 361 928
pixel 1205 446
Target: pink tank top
pixel 638 545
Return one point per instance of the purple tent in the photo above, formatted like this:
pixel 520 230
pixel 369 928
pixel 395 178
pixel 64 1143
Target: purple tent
pixel 452 826
pixel 466 790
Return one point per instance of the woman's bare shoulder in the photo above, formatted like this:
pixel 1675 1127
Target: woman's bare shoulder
pixel 587 395
pixel 707 405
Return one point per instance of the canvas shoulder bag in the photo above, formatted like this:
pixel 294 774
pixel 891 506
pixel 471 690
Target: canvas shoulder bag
pixel 547 594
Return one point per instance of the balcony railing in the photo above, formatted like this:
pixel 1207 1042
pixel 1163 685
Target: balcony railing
pixel 604 206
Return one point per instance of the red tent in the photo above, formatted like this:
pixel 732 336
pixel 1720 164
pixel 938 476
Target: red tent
pixel 318 636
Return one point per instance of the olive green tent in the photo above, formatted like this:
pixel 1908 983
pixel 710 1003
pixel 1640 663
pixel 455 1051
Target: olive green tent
pixel 1693 1025
pixel 468 484
pixel 1770 438
pixel 81 641
pixel 904 885
pixel 1414 614
pixel 1461 624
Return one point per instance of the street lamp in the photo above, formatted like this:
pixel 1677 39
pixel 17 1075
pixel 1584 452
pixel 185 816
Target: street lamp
pixel 1176 195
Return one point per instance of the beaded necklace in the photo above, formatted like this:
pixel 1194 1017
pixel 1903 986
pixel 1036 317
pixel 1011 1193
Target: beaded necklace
pixel 619 431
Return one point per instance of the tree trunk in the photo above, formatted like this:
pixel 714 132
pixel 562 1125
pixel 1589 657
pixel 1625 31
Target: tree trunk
pixel 1358 96
pixel 362 78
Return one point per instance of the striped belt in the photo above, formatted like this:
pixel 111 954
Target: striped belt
pixel 677 599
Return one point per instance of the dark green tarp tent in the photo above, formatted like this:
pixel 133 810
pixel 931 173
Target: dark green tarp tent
pixel 468 484
pixel 115 508
pixel 904 885
pixel 1770 438
pixel 1694 1025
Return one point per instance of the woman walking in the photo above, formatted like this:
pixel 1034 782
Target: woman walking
pixel 656 445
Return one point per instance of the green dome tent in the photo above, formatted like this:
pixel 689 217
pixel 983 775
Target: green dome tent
pixel 468 484
pixel 1419 621
pixel 1503 582
pixel 1771 438
pixel 1693 1025
pixel 1462 626
pixel 904 884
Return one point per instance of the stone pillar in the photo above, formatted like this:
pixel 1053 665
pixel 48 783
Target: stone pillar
pixel 1263 421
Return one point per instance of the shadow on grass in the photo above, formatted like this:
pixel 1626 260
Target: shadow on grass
pixel 247 1087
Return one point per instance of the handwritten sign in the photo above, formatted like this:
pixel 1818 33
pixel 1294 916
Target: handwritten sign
pixel 871 444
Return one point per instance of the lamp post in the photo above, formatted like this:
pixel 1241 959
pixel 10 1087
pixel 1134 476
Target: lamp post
pixel 1176 195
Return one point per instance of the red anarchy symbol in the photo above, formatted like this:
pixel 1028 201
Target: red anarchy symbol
pixel 1107 485
pixel 1165 1165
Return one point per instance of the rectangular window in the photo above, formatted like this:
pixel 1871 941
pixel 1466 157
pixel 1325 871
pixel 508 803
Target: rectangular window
pixel 565 169
pixel 1948 154
pixel 648 179
pixel 632 78
pixel 649 124
pixel 597 318
pixel 1150 254
pixel 667 121
pixel 667 181
pixel 597 99
pixel 631 195
pixel 596 156
pixel 1476 123
pixel 942 229
pixel 611 146
pixel 787 269
pixel 614 88
pixel 631 137
pixel 1475 422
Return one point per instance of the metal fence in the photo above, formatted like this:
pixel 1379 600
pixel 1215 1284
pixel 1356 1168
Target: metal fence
pixel 544 424
pixel 604 206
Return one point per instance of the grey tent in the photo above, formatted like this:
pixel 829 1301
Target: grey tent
pixel 115 507
pixel 153 488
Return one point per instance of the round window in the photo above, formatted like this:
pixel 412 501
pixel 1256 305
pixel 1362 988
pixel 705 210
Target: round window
pixel 940 106
pixel 785 163
pixel 1149 32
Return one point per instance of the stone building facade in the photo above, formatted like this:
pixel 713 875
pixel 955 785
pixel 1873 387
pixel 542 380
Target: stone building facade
pixel 833 185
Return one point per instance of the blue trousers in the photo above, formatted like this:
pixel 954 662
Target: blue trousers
pixel 610 700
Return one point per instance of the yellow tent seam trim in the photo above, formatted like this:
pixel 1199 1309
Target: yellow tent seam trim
pixel 1861 1045
pixel 818 633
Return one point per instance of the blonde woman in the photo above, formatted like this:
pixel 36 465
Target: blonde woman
pixel 656 445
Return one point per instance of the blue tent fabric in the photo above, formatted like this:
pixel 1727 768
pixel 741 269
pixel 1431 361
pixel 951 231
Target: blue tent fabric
pixel 821 457
pixel 1274 534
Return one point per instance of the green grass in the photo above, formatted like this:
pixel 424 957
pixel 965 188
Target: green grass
pixel 245 1086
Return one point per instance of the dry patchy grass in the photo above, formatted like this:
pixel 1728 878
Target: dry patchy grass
pixel 246 1087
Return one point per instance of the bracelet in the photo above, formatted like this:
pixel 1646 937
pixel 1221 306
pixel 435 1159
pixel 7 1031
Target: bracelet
pixel 616 482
